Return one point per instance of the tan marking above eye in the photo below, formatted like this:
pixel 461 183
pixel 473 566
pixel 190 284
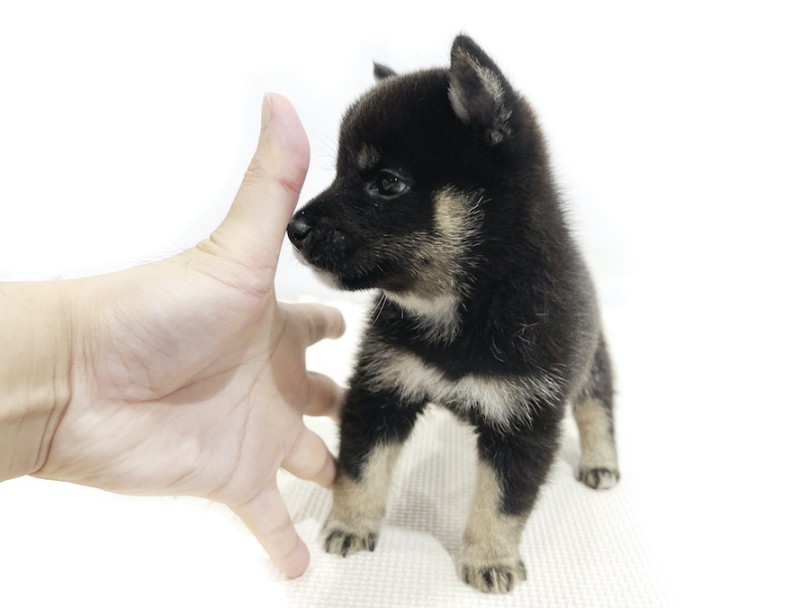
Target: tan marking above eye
pixel 367 157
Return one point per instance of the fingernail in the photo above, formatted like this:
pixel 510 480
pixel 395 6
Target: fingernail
pixel 267 110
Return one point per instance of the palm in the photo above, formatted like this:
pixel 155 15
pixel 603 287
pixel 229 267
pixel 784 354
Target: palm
pixel 168 387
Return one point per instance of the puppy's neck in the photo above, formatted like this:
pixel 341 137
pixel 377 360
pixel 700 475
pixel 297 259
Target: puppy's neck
pixel 438 316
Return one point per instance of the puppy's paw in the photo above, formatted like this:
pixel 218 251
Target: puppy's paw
pixel 598 478
pixel 343 540
pixel 497 576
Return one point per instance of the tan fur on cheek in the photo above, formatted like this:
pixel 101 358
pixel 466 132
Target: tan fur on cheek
pixel 445 253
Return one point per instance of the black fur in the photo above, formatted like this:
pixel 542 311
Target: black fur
pixel 525 306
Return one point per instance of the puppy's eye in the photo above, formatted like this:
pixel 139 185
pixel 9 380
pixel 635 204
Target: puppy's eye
pixel 388 184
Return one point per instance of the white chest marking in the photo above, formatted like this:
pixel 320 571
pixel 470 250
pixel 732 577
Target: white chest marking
pixel 501 400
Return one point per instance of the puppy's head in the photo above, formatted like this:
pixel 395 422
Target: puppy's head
pixel 418 157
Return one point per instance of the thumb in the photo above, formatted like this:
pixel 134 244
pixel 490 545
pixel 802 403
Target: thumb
pixel 255 226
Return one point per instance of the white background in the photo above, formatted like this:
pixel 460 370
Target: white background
pixel 679 132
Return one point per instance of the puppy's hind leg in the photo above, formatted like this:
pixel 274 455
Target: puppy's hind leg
pixel 593 412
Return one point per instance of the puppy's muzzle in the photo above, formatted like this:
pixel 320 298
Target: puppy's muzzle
pixel 318 241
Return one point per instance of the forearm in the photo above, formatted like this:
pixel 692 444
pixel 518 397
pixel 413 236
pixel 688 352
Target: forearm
pixel 35 371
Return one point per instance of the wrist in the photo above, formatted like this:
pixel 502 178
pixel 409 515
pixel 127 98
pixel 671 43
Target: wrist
pixel 36 326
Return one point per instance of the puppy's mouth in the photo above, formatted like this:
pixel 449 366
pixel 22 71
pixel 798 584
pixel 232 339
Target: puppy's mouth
pixel 351 275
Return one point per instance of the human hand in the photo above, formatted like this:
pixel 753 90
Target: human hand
pixel 188 378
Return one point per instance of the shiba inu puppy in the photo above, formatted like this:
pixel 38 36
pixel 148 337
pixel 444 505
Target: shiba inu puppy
pixel 444 202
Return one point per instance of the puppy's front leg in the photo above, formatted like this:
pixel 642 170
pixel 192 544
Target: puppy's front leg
pixel 490 560
pixel 511 469
pixel 374 425
pixel 358 503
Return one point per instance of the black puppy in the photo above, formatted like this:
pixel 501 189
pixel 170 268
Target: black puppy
pixel 444 201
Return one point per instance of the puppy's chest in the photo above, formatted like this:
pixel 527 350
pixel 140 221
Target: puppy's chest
pixel 499 398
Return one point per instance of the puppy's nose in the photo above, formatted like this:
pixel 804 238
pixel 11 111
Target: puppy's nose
pixel 298 229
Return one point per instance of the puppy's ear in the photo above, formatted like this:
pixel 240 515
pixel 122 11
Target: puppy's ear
pixel 479 93
pixel 381 72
